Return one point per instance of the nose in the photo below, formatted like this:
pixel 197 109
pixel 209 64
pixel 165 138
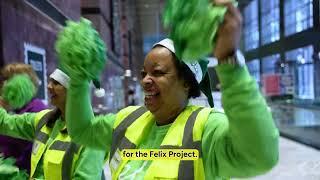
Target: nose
pixel 50 86
pixel 146 81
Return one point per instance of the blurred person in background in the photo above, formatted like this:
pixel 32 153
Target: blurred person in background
pixel 9 146
pixel 33 105
pixel 54 156
pixel 131 97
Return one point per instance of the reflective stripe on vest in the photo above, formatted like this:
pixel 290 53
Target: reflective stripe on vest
pixel 60 156
pixel 185 169
pixel 42 137
pixel 39 144
pixel 119 132
pixel 70 149
pixel 44 117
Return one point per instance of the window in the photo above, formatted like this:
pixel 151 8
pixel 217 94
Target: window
pixel 251 26
pixel 254 69
pixel 270 78
pixel 36 57
pixel 301 55
pixel 298 16
pixel 304 80
pixel 270 30
pixel 269 64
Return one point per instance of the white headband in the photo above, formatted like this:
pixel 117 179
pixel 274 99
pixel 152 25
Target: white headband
pixel 194 66
pixel 61 77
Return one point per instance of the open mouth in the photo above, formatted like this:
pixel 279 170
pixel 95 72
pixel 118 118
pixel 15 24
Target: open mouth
pixel 151 97
pixel 52 96
pixel 151 94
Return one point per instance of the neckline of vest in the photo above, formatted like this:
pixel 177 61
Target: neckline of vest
pixel 162 126
pixel 52 123
pixel 173 119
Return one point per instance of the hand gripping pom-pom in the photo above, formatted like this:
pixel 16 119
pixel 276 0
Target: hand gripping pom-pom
pixel 194 24
pixel 81 52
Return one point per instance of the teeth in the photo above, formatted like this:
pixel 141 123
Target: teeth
pixel 150 93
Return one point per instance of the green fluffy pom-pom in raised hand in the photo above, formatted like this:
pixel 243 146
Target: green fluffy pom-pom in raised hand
pixel 194 24
pixel 81 52
pixel 18 91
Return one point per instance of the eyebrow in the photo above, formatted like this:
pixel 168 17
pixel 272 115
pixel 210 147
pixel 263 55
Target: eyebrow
pixel 155 65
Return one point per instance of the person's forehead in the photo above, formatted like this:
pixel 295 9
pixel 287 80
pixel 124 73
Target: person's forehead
pixel 161 50
pixel 159 56
pixel 54 81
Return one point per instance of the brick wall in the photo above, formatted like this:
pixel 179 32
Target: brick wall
pixel 21 24
pixel 99 13
pixel 102 27
pixel 71 8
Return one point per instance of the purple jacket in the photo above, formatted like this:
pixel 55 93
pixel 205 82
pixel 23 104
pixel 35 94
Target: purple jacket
pixel 18 148
pixel 35 105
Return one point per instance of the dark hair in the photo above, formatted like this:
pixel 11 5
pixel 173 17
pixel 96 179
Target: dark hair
pixel 187 75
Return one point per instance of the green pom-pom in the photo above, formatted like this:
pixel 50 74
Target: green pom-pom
pixel 18 90
pixel 9 171
pixel 193 24
pixel 81 52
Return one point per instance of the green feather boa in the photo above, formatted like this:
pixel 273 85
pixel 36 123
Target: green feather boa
pixel 194 24
pixel 81 52
pixel 18 90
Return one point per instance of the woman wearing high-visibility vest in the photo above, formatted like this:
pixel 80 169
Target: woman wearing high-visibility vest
pixel 18 75
pixel 241 142
pixel 54 156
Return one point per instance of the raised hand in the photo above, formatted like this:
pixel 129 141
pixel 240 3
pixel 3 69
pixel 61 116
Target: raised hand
pixel 229 32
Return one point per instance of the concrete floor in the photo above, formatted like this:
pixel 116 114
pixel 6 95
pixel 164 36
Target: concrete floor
pixel 296 162
pixel 298 123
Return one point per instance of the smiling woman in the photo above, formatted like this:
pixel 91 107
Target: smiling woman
pixel 57 88
pixel 54 155
pixel 241 143
pixel 161 84
pixel 18 91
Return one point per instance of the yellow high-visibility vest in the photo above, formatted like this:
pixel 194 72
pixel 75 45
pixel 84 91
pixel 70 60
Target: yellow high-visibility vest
pixel 59 156
pixel 132 124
